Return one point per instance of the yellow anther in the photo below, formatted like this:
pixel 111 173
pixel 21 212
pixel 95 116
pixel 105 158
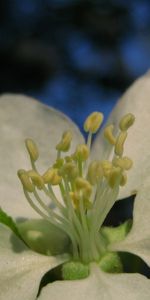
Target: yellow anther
pixel 36 179
pixel 75 198
pixel 124 163
pixel 107 167
pixel 32 149
pixel 126 122
pixel 108 134
pixel 123 179
pixel 68 158
pixel 114 176
pixel 70 170
pixel 65 142
pixel 25 180
pixel 82 152
pixel 58 163
pixel 51 176
pixel 83 185
pixel 119 146
pixel 95 172
pixel 93 122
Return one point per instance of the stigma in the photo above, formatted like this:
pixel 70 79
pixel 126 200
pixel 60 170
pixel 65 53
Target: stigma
pixel 88 188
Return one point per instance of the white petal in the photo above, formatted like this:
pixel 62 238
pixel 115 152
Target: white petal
pixel 22 117
pixel 136 100
pixel 21 270
pixel 100 286
pixel 138 239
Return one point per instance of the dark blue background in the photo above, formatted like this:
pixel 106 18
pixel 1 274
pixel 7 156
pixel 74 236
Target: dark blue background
pixel 77 56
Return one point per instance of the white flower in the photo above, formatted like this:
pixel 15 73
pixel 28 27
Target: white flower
pixel 21 268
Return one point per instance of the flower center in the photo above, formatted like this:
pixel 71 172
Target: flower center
pixel 88 188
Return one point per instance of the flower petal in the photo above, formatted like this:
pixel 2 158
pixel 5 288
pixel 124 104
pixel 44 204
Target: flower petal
pixel 138 239
pixel 21 270
pixel 99 286
pixel 137 145
pixel 22 117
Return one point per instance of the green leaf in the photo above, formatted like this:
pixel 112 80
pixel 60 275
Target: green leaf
pixel 8 221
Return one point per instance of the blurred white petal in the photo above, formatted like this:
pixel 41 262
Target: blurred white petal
pixel 22 117
pixel 99 286
pixel 136 100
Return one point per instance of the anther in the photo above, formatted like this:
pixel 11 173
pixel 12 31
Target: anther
pixel 93 122
pixel 107 167
pixel 95 172
pixel 123 179
pixel 124 163
pixel 25 180
pixel 108 134
pixel 83 185
pixel 65 142
pixel 32 149
pixel 58 163
pixel 70 170
pixel 114 176
pixel 36 179
pixel 126 122
pixel 82 152
pixel 119 146
pixel 51 176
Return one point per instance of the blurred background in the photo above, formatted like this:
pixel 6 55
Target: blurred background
pixel 75 55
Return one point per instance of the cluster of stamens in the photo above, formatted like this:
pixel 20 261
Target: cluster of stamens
pixel 88 188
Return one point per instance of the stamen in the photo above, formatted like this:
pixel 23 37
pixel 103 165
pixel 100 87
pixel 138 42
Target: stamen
pixel 36 179
pixel 93 122
pixel 25 180
pixel 95 172
pixel 119 146
pixel 81 153
pixel 108 134
pixel 64 144
pixel 124 163
pixel 84 186
pixel 107 167
pixel 123 180
pixel 126 122
pixel 32 149
pixel 88 189
pixel 114 176
pixel 51 176
pixel 69 170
